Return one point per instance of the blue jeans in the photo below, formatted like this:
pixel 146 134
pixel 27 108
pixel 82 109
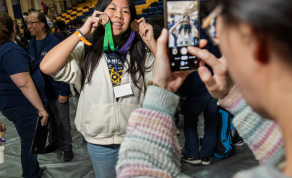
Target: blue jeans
pixel 104 159
pixel 25 120
pixel 194 106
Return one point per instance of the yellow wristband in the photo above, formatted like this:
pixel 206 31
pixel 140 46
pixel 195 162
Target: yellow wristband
pixel 82 38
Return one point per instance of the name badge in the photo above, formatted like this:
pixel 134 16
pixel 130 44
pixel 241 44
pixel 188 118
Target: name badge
pixel 123 90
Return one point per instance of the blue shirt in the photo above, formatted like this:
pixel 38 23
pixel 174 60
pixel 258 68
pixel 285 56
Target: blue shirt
pixel 116 66
pixel 53 88
pixel 14 60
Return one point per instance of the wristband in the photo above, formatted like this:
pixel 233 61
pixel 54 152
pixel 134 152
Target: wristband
pixel 80 36
pixel 152 83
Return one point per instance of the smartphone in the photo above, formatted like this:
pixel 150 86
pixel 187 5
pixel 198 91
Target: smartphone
pixel 182 19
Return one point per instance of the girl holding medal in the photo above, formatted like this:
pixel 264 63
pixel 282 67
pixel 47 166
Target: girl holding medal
pixel 185 30
pixel 110 70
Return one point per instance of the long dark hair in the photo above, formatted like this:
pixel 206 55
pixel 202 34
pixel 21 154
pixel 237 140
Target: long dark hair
pixel 269 17
pixel 6 27
pixel 188 28
pixel 92 54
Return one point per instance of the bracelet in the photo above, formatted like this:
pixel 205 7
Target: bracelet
pixel 80 36
pixel 152 83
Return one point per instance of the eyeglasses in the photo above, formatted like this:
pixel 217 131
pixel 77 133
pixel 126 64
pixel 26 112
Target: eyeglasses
pixel 209 24
pixel 30 23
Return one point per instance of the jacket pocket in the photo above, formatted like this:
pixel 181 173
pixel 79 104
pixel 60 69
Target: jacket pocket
pixel 125 111
pixel 99 120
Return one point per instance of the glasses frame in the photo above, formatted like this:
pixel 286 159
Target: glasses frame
pixel 28 23
pixel 208 21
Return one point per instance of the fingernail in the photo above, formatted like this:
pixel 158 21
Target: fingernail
pixel 191 49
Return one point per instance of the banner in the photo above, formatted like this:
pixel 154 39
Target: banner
pixel 16 9
pixel 3 7
pixel 10 8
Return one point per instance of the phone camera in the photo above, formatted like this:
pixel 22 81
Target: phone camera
pixel 174 51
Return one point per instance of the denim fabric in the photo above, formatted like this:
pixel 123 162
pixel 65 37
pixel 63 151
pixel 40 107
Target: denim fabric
pixel 25 120
pixel 104 159
pixel 194 106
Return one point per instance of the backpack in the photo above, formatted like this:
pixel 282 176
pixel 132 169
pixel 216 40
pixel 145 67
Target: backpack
pixel 225 135
pixel 46 7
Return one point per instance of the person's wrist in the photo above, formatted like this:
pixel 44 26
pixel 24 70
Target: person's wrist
pixel 83 32
pixel 162 85
pixel 41 109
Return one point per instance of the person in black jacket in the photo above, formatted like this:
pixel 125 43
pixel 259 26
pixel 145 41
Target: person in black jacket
pixel 56 92
pixel 199 100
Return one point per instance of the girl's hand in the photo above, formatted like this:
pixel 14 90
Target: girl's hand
pixel 91 24
pixel 2 126
pixel 145 30
pixel 163 76
pixel 43 113
pixel 220 84
pixel 147 34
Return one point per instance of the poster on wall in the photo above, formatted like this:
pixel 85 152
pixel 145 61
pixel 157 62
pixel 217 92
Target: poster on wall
pixel 10 8
pixel 3 7
pixel 16 9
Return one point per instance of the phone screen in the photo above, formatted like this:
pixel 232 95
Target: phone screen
pixel 183 24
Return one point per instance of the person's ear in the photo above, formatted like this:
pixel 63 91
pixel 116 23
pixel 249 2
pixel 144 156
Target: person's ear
pixel 14 29
pixel 261 50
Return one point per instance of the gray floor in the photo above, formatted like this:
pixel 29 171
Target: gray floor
pixel 81 166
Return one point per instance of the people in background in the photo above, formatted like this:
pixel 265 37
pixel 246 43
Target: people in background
pixel 59 36
pixel 22 96
pixel 102 112
pixel 77 23
pixel 70 28
pixel 45 8
pixel 198 100
pixel 61 25
pixel 56 92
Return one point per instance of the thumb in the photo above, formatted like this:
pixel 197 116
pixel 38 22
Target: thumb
pixel 161 51
pixel 206 76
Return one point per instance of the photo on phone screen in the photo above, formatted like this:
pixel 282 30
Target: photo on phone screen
pixel 183 23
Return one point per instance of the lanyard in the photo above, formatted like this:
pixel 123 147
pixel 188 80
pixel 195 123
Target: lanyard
pixel 115 64
pixel 108 38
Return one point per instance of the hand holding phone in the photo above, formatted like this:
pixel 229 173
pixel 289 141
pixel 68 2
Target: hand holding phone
pixel 163 76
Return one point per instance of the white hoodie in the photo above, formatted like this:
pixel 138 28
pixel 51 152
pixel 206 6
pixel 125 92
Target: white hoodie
pixel 100 118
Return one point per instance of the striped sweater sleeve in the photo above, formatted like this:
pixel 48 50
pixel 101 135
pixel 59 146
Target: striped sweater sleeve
pixel 151 148
pixel 263 137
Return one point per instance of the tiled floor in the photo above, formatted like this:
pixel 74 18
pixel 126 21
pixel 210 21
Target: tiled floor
pixel 81 166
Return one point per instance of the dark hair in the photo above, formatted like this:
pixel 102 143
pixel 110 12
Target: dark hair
pixel 77 21
pixel 206 7
pixel 93 53
pixel 42 18
pixel 269 17
pixel 6 27
pixel 157 22
pixel 61 25
pixel 188 29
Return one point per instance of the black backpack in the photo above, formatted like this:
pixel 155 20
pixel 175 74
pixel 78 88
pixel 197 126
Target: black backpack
pixel 225 134
pixel 46 7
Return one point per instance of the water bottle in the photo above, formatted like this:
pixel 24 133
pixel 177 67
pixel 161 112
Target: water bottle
pixel 2 145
